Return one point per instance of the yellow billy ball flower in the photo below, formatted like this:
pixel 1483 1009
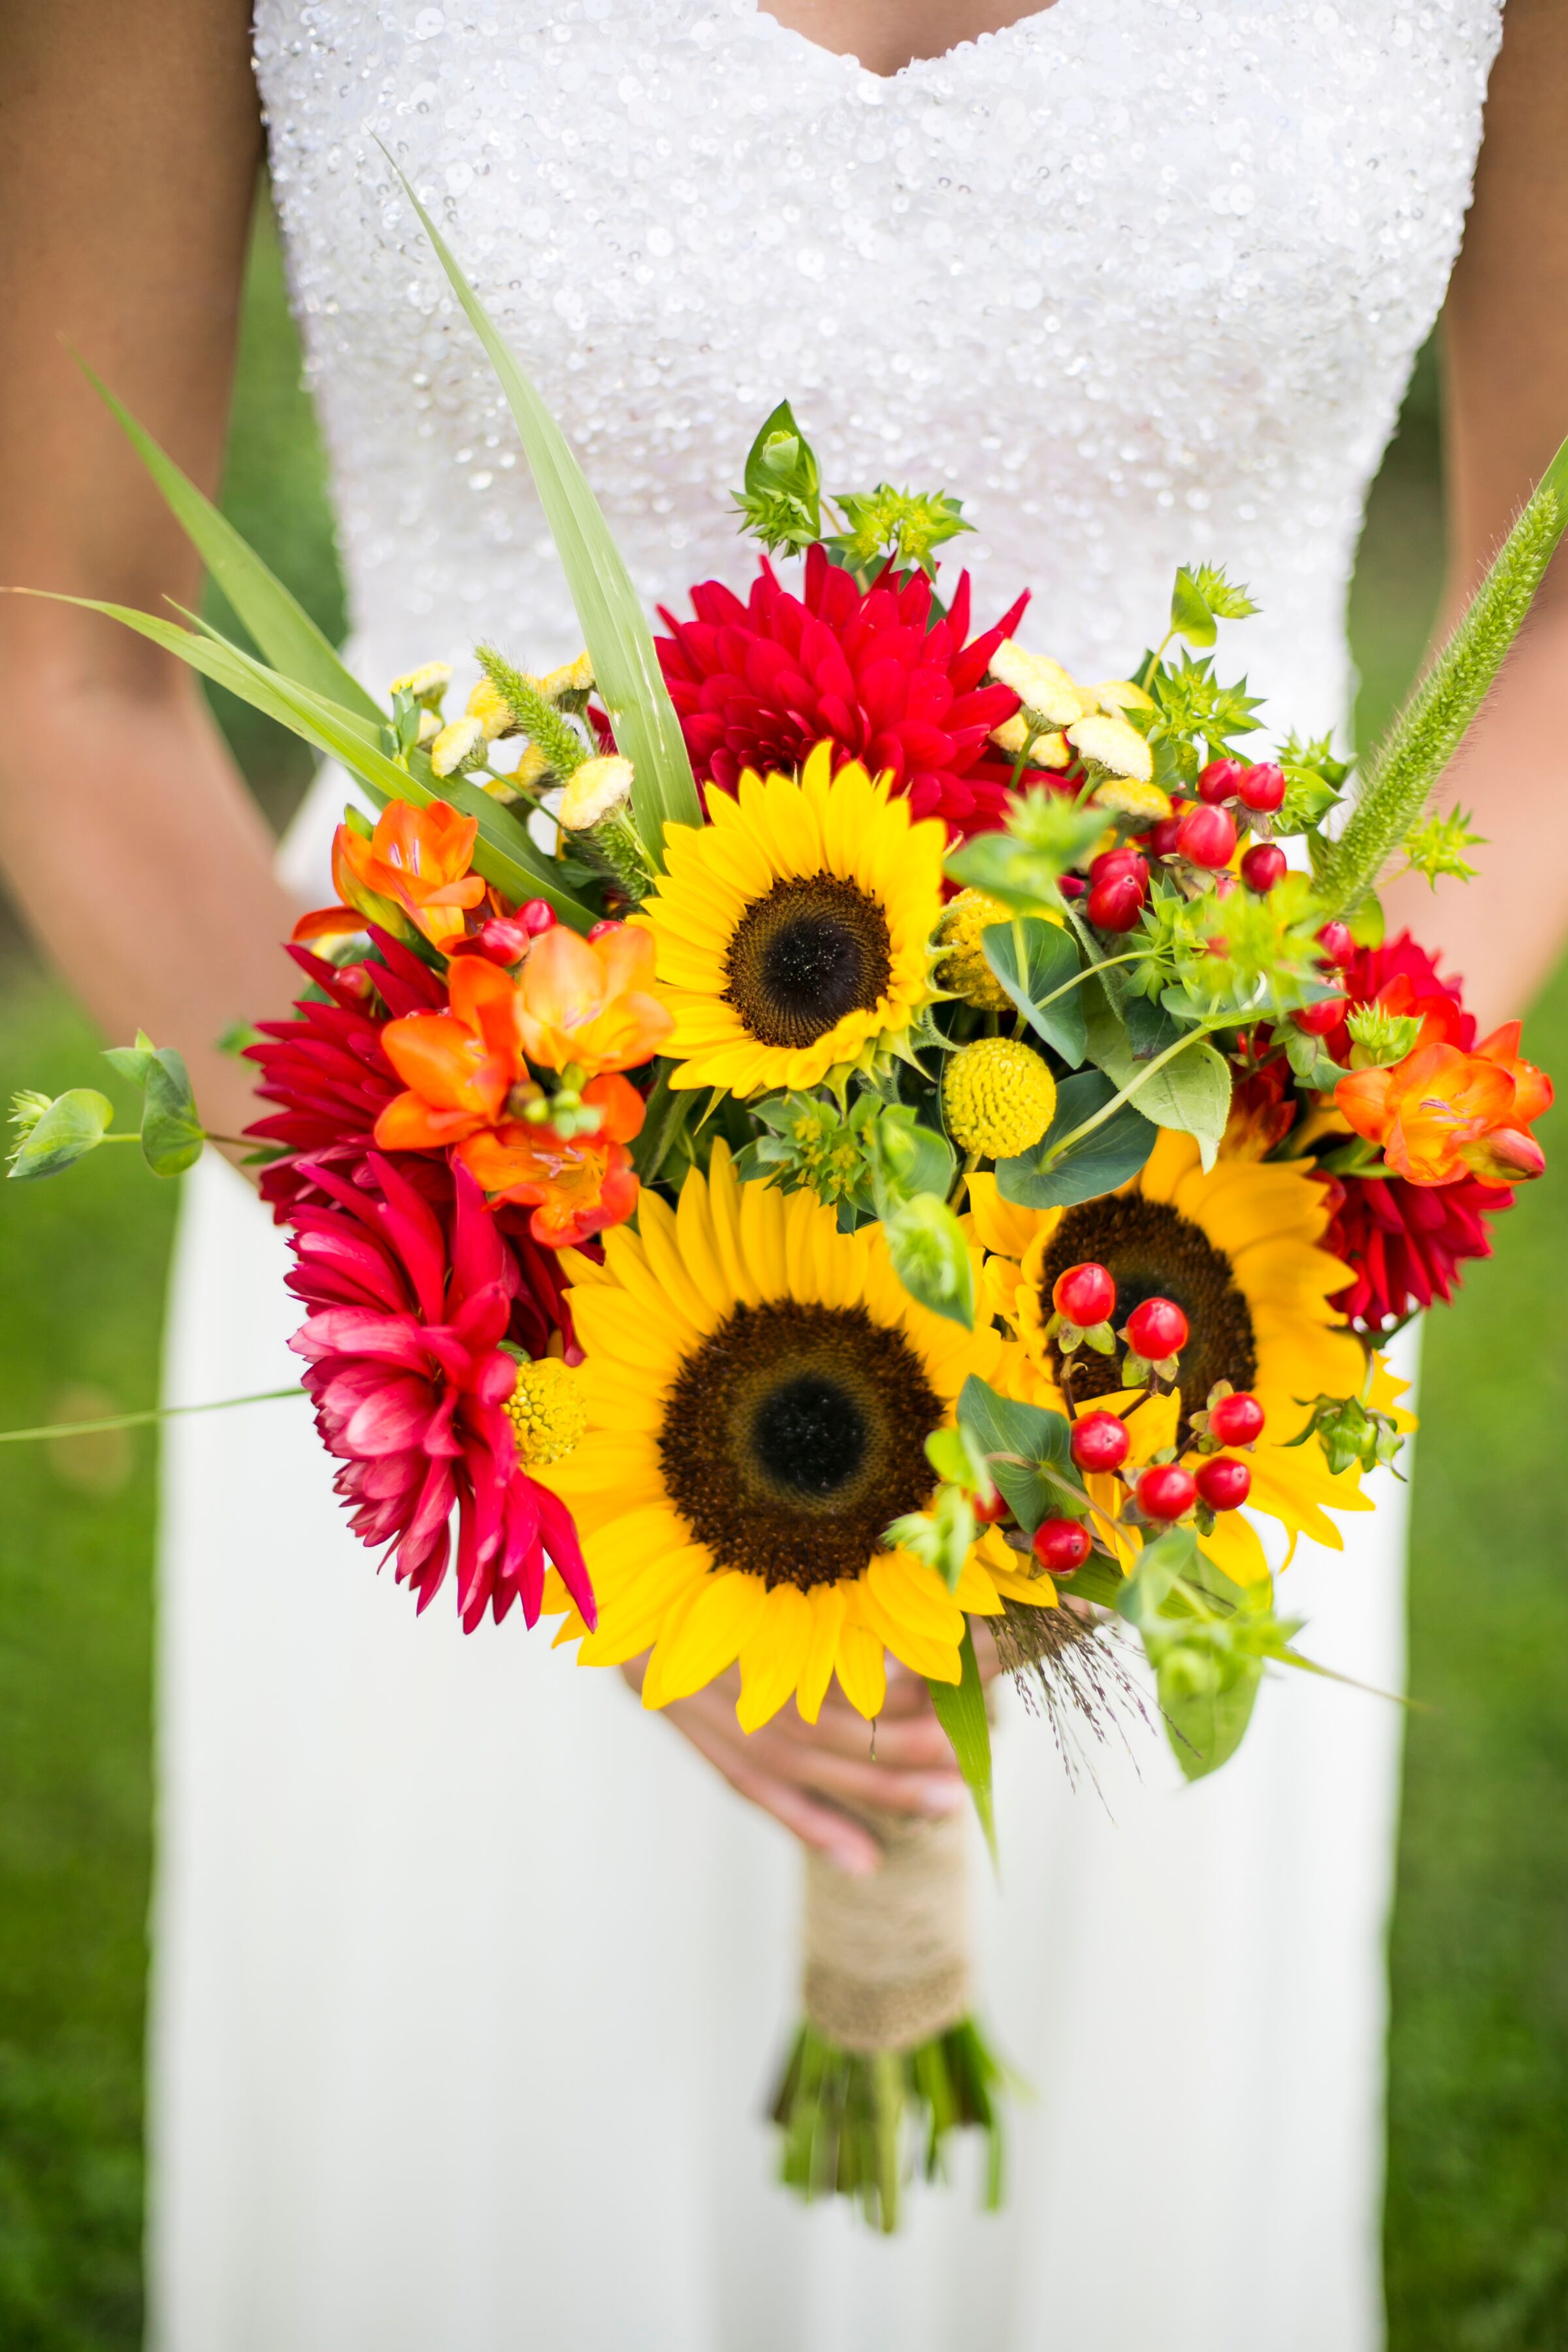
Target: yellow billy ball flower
pixel 963 968
pixel 548 1412
pixel 998 1096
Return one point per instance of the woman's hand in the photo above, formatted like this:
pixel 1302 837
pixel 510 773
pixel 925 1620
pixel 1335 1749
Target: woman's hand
pixel 804 1774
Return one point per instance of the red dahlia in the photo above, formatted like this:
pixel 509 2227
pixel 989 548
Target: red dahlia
pixel 757 685
pixel 325 1070
pixel 407 1314
pixel 326 1073
pixel 1405 1242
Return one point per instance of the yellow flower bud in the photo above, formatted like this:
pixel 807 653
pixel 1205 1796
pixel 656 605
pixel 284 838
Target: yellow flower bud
pixel 426 684
pixel 1114 694
pixel 1048 694
pixel 1137 805
pixel 571 677
pixel 548 1412
pixel 1111 744
pixel 460 745
pixel 595 791
pixel 998 1096
pixel 963 968
pixel 490 706
pixel 1045 751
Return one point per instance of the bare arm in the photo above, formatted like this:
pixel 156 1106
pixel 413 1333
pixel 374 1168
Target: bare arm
pixel 130 141
pixel 1506 409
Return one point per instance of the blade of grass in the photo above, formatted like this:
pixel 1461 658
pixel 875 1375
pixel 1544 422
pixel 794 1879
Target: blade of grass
pixel 280 625
pixel 502 855
pixel 626 666
pixel 960 1711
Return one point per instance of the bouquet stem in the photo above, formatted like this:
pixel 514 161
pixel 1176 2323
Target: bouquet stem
pixel 888 2061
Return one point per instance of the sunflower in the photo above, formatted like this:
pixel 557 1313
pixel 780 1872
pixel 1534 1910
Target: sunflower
pixel 792 930
pixel 759 1389
pixel 1240 1250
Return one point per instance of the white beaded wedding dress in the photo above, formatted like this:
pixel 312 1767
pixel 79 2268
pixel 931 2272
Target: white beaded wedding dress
pixel 469 1977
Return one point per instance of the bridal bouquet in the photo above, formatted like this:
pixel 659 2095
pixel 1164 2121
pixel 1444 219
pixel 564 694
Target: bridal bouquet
pixel 826 1138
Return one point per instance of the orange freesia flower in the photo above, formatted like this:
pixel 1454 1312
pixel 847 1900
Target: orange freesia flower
pixel 417 863
pixel 1442 1113
pixel 575 1188
pixel 591 1002
pixel 468 1081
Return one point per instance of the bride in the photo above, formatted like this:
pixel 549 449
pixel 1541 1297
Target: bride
pixel 469 1975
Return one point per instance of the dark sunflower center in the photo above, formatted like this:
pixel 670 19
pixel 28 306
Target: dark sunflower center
pixel 1153 1253
pixel 814 948
pixel 793 1434
pixel 810 1436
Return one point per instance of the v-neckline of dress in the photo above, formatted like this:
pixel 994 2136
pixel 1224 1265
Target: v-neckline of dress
pixel 960 53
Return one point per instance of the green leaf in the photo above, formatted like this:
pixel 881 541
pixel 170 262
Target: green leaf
pixel 280 625
pixel 132 1062
pixel 1191 1094
pixel 1049 962
pixel 1149 1028
pixel 1101 1161
pixel 70 1128
pixel 931 1256
pixel 615 627
pixel 960 1711
pixel 1190 616
pixel 1037 1437
pixel 1207 1706
pixel 172 1133
pixel 1205 1639
pixel 906 1158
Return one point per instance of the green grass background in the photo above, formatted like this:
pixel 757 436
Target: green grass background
pixel 1478 2206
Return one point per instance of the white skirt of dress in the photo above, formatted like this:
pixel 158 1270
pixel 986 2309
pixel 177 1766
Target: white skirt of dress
pixel 470 1979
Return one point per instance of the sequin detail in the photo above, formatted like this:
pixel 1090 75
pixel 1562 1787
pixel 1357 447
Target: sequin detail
pixel 1141 279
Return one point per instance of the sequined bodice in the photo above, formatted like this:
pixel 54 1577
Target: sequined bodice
pixel 1141 279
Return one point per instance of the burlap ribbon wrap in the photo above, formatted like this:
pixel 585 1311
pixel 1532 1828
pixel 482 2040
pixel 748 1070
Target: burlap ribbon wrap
pixel 886 1958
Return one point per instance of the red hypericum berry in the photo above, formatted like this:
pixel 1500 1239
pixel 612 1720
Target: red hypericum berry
pixel 1236 1420
pixel 1317 1020
pixel 1206 836
pixel 1262 788
pixel 504 939
pixel 1100 1441
pixel 1116 905
pixel 1157 1329
pixel 1062 1545
pixel 1166 1491
pixel 1220 780
pixel 1224 1483
pixel 989 1513
pixel 603 930
pixel 1336 943
pixel 1262 866
pixel 536 915
pixel 1085 1295
pixel 1162 836
pixel 1071 886
pixel 1111 862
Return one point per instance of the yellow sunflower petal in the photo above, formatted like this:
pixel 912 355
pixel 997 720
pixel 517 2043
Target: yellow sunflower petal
pixel 1000 1225
pixel 708 1634
pixel 774 1655
pixel 861 1668
pixel 827 1611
